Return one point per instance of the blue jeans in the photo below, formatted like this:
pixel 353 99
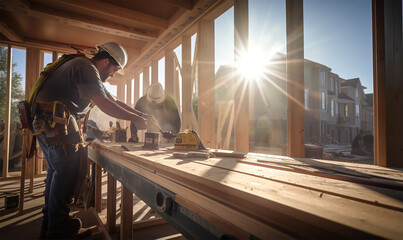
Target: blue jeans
pixel 61 179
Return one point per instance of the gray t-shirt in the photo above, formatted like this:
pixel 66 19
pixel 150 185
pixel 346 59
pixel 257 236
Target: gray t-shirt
pixel 73 84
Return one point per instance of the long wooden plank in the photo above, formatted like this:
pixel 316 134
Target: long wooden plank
pixel 274 203
pixel 377 196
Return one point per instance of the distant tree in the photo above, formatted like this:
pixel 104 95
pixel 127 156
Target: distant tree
pixel 17 92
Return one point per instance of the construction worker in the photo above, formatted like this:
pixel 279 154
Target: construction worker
pixel 160 105
pixel 64 98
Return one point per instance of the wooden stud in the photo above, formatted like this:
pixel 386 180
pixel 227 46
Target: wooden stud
pixel 146 79
pixel 136 87
pixel 154 72
pixel 169 73
pixel 186 83
pixel 241 99
pixel 111 205
pixel 126 223
pixel 6 138
pixel 295 79
pixel 121 97
pixel 388 87
pixel 206 83
pixel 129 103
pixel 98 188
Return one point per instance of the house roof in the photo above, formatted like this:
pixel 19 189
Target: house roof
pixel 344 96
pixel 369 99
pixel 351 83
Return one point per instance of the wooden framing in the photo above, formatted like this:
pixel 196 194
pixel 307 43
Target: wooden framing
pixel 295 79
pixel 111 205
pixel 126 225
pixel 6 153
pixel 146 79
pixel 241 98
pixel 388 87
pixel 154 72
pixel 170 86
pixel 186 82
pixel 206 82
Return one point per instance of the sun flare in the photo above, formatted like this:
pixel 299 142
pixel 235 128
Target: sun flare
pixel 252 64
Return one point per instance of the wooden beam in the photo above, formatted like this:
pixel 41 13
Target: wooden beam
pixel 241 98
pixel 111 205
pixel 146 79
pixel 7 114
pixel 47 45
pixel 174 30
pixel 154 72
pixel 98 188
pixel 206 83
pixel 186 83
pixel 129 103
pixel 9 32
pixel 78 20
pixel 170 73
pixel 388 87
pixel 295 78
pixel 126 225
pixel 121 97
pixel 186 4
pixel 136 88
pixel 114 11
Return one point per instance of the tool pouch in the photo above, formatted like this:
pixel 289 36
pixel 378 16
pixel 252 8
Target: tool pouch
pixel 58 135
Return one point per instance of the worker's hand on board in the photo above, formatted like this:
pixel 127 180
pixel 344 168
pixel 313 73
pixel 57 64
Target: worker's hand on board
pixel 140 122
pixel 151 123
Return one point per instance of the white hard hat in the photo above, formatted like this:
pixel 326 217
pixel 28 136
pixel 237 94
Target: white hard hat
pixel 117 52
pixel 155 93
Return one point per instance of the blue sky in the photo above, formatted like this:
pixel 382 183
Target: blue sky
pixel 338 34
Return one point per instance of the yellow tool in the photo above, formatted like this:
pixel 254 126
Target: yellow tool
pixel 188 140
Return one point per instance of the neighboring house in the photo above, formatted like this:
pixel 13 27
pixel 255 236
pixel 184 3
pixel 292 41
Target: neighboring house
pixel 336 108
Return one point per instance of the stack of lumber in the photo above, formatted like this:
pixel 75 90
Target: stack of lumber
pixel 269 196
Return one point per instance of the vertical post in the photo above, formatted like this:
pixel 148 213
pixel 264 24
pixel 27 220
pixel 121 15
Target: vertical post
pixel 206 83
pixel 32 73
pixel 111 205
pixel 129 103
pixel 146 79
pixel 295 78
pixel 6 142
pixel 170 73
pixel 98 188
pixel 121 97
pixel 154 71
pixel 388 87
pixel 186 83
pixel 136 89
pixel 241 99
pixel 126 223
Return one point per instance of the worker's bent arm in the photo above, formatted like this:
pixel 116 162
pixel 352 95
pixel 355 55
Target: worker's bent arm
pixel 113 109
pixel 125 106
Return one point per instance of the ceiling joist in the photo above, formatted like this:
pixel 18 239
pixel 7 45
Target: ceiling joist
pixel 186 4
pixel 78 20
pixel 110 11
pixel 9 32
